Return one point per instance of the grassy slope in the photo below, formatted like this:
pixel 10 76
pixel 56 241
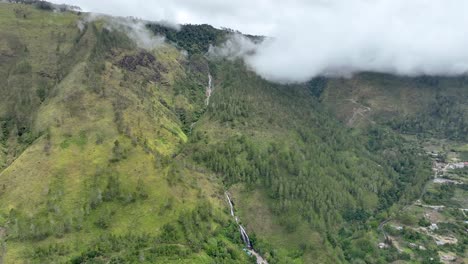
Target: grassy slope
pixel 73 153
pixel 77 124
pixel 28 47
pixel 71 157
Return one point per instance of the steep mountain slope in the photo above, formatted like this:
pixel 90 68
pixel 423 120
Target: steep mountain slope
pixel 310 175
pixel 111 154
pixel 98 121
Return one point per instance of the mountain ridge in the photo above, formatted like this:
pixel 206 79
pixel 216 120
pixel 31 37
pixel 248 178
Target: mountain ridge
pixel 112 153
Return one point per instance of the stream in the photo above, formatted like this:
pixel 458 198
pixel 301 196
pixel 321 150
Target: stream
pixel 209 90
pixel 244 235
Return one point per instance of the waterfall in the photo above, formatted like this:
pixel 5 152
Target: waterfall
pixel 209 90
pixel 245 237
pixel 231 206
pixel 243 233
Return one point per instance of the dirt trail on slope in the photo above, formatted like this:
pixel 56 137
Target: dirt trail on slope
pixel 360 111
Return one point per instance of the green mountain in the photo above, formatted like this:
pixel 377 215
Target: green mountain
pixel 111 153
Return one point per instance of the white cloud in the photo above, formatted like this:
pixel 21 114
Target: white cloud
pixel 236 46
pixel 327 37
pixel 408 37
pixel 134 28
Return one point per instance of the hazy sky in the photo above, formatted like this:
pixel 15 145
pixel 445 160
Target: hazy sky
pixel 326 37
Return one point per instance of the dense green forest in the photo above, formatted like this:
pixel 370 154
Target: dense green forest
pixel 192 38
pixel 109 153
pixel 195 39
pixel 446 118
pixel 314 170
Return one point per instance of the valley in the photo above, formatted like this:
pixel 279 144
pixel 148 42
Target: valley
pixel 432 227
pixel 114 152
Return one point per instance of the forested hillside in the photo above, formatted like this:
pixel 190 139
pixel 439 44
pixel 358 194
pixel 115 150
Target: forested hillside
pixel 91 129
pixel 425 106
pixel 317 177
pixel 110 153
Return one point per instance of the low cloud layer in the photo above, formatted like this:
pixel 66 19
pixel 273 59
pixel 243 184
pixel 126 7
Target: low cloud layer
pixel 134 28
pixel 327 37
pixel 236 46
pixel 406 37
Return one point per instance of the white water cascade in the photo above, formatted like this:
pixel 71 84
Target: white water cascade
pixel 244 235
pixel 209 90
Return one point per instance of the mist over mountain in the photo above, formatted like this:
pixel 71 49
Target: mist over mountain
pixel 329 38
pixel 151 132
pixel 338 38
